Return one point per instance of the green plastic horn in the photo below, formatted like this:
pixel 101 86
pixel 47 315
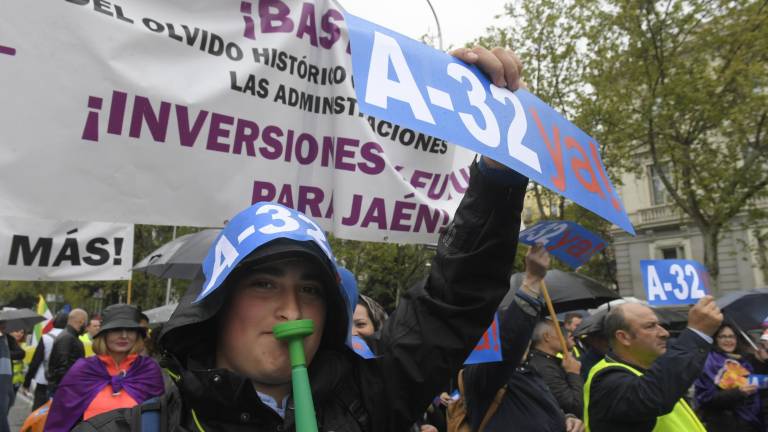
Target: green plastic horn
pixel 294 333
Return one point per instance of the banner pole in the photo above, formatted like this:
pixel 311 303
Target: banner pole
pixel 130 284
pixel 553 315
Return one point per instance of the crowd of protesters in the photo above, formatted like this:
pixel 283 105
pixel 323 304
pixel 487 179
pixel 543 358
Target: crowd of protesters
pixel 225 370
pixel 536 387
pixel 639 380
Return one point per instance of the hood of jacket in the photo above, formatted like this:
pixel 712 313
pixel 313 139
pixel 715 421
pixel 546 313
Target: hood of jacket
pixel 192 330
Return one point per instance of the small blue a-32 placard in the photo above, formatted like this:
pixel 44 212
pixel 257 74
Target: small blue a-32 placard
pixel 406 82
pixel 674 282
pixel 488 349
pixel 250 229
pixel 570 242
pixel 761 381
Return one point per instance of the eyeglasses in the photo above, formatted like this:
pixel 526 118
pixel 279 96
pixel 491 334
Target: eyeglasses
pixel 727 337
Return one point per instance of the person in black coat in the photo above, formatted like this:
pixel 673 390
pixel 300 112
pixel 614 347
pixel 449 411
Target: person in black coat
pixel 9 351
pixel 67 349
pixel 561 375
pixel 528 405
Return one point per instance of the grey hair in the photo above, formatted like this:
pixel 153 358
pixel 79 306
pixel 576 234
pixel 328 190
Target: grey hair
pixel 541 329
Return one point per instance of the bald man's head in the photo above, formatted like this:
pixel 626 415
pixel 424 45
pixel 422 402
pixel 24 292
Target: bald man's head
pixel 77 319
pixel 635 333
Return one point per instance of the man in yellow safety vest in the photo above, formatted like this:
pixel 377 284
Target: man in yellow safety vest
pixel 640 383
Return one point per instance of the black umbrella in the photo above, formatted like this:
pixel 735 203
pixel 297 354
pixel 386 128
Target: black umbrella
pixel 675 320
pixel 18 319
pixel 569 291
pixel 161 314
pixel 591 324
pixel 181 258
pixel 747 308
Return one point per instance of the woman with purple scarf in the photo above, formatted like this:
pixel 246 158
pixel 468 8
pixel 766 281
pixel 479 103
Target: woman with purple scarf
pixel 116 377
pixel 725 401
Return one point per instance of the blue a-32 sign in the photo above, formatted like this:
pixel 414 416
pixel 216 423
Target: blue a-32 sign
pixel 674 282
pixel 487 350
pixel 406 82
pixel 568 241
pixel 252 228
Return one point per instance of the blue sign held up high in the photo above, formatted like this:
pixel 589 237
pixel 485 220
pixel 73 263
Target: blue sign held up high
pixel 406 82
pixel 674 282
pixel 568 241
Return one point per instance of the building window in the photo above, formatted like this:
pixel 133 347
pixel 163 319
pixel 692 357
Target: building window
pixel 659 194
pixel 671 252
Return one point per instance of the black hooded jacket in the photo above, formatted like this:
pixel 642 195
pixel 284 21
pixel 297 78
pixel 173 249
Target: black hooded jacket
pixel 422 345
pixel 528 405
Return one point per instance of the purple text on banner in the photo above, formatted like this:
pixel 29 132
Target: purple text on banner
pixel 674 282
pixel 568 241
pixel 406 82
pixel 489 348
pixel 361 348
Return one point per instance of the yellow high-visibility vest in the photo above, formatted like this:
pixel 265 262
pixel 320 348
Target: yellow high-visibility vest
pixel 87 344
pixel 681 418
pixel 574 352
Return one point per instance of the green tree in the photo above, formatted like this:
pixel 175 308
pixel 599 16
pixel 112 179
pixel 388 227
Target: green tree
pixel 684 84
pixel 549 37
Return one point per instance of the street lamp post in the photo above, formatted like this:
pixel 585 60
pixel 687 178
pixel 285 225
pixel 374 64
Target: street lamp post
pixel 439 31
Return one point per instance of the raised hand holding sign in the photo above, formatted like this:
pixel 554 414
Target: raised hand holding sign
pixel 404 81
pixel 568 241
pixel 674 282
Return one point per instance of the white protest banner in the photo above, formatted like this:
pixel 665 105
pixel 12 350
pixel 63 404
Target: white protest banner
pixel 41 249
pixel 185 112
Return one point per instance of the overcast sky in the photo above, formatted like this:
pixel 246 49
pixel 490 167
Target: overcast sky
pixel 460 20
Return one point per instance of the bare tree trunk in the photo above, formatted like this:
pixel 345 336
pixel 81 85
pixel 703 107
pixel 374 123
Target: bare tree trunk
pixel 711 236
pixel 539 204
pixel 561 206
pixel 762 253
